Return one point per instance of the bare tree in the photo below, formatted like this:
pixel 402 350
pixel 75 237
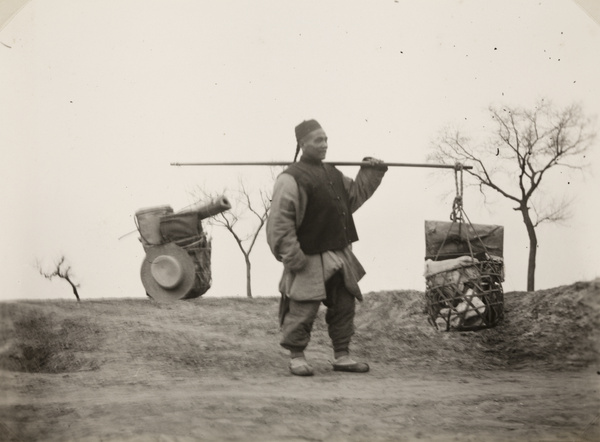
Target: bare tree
pixel 524 147
pixel 244 221
pixel 61 270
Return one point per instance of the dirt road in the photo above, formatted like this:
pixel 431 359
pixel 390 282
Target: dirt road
pixel 212 370
pixel 384 405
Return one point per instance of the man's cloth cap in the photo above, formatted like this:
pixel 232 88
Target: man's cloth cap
pixel 306 127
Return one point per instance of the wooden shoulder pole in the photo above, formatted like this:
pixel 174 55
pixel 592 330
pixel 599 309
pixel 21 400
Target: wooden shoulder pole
pixel 333 163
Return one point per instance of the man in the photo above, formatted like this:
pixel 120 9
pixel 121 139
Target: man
pixel 310 230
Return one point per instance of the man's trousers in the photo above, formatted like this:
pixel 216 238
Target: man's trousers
pixel 297 317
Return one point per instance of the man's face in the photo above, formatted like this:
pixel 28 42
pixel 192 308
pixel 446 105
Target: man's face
pixel 314 145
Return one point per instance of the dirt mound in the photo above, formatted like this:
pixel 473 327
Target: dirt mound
pixel 63 337
pixel 555 329
pixel 38 340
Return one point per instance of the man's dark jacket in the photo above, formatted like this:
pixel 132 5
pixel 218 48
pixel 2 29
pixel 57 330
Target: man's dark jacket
pixel 327 223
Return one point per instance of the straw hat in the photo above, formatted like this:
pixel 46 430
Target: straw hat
pixel 168 272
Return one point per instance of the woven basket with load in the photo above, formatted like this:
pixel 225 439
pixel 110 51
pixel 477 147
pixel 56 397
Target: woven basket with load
pixel 177 264
pixel 464 271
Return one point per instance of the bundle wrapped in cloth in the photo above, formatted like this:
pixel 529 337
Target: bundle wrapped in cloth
pixel 188 223
pixel 214 207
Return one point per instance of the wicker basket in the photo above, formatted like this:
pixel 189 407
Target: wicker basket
pixel 199 248
pixel 469 297
pixel 464 274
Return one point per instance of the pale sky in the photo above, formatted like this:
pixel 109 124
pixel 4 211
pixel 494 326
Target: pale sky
pixel 98 98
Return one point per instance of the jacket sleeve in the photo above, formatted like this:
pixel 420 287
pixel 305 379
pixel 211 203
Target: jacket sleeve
pixel 363 186
pixel 288 206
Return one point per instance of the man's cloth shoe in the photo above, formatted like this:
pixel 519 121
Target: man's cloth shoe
pixel 299 367
pixel 346 363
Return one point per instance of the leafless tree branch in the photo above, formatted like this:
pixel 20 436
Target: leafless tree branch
pixel 61 270
pixel 524 148
pixel 244 221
